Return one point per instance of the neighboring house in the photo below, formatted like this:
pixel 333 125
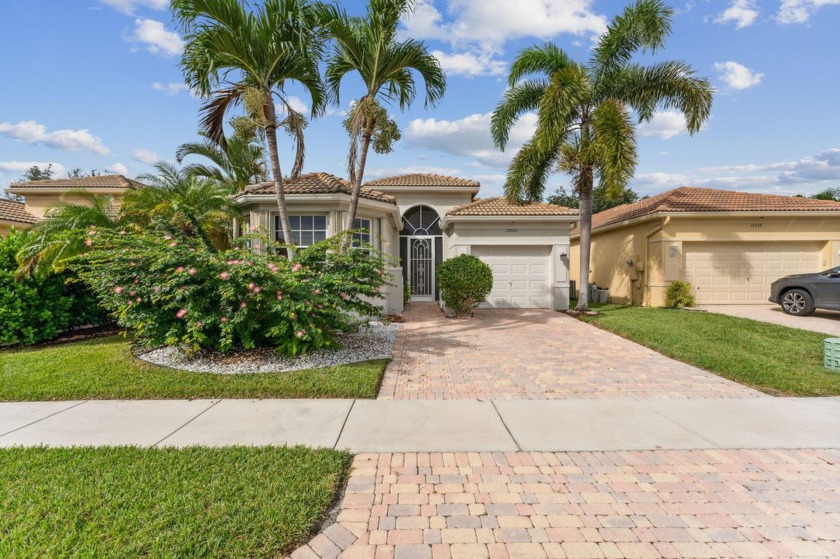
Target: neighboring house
pixel 729 245
pixel 14 214
pixel 42 196
pixel 421 220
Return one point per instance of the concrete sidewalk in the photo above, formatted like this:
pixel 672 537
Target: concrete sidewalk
pixel 431 426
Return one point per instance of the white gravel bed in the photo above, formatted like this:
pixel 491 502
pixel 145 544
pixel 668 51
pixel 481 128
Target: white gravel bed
pixel 373 341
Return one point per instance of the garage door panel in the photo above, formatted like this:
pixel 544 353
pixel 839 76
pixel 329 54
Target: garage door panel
pixel 520 275
pixel 741 272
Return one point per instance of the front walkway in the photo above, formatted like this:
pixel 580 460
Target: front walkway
pixel 725 503
pixel 533 354
pixel 824 322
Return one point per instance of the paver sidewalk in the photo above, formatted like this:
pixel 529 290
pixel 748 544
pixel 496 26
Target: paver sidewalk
pixel 430 425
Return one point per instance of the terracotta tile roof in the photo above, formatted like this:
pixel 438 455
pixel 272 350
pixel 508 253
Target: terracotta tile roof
pixel 316 183
pixel 691 199
pixel 100 181
pixel 421 180
pixel 499 206
pixel 11 210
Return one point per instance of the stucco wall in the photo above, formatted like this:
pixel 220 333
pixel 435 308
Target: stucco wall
pixel 39 204
pixel 442 202
pixel 663 256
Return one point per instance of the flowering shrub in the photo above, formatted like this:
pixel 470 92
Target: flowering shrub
pixel 174 290
pixel 34 309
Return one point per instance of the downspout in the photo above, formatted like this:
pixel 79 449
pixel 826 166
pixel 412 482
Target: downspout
pixel 646 271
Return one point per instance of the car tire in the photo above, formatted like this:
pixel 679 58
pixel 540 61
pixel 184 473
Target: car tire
pixel 797 302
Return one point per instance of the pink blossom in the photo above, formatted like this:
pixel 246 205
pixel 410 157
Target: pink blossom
pixel 257 246
pixel 251 286
pixel 179 269
pixel 173 243
pixel 243 304
pixel 136 281
pixel 320 306
pixel 296 267
pixel 223 319
pixel 279 297
pixel 157 289
pixel 317 292
pixel 257 289
pixel 192 271
pixel 167 237
pixel 224 275
pixel 118 290
pixel 181 313
pixel 299 334
pixel 91 232
pixel 88 242
pixel 254 228
pixel 132 293
pixel 122 232
pixel 139 300
pixel 130 302
pixel 199 324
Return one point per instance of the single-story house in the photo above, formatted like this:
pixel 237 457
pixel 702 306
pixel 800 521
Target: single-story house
pixel 41 196
pixel 421 220
pixel 14 214
pixel 730 246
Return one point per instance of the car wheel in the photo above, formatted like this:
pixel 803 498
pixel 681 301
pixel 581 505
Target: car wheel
pixel 797 302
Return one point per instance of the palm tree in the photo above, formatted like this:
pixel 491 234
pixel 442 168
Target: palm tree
pixel 585 125
pixel 177 199
pixel 237 53
pixel 368 45
pixel 237 163
pixel 55 241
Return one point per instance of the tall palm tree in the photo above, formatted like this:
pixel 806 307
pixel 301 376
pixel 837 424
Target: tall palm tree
pixel 585 124
pixel 368 45
pixel 237 53
pixel 177 199
pixel 237 163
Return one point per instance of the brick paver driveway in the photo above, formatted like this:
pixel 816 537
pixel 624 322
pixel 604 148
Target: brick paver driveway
pixel 723 503
pixel 533 354
pixel 825 322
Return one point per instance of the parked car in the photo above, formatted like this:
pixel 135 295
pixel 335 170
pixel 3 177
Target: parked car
pixel 800 294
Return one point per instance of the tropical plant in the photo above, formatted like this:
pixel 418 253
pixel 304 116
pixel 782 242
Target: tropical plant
pixel 237 53
pixel 601 199
pixel 38 308
pixel 465 282
pixel 585 123
pixel 368 46
pixel 175 200
pixel 679 294
pixel 170 289
pixel 236 163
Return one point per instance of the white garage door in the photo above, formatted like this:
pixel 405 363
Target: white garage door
pixel 520 275
pixel 741 273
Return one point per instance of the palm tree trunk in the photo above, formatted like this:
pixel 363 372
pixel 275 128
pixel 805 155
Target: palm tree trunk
pixel 585 244
pixel 357 186
pixel 271 137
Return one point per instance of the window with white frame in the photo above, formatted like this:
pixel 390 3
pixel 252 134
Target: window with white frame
pixel 306 229
pixel 362 234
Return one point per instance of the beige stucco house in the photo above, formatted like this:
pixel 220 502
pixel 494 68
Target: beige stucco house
pixel 42 196
pixel 729 245
pixel 421 220
pixel 14 214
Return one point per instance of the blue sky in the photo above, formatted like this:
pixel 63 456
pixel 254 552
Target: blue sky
pixel 96 84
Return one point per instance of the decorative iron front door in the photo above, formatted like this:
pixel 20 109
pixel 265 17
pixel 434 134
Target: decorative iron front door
pixel 421 268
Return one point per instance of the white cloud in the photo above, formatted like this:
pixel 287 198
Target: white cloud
pixel 469 137
pixel 742 12
pixel 145 156
pixel 21 166
pixel 498 21
pixel 470 64
pixel 156 37
pixel 737 76
pixel 664 124
pixel 128 7
pixel 117 168
pixel 296 103
pixel 800 11
pixel 31 132
pixel 171 88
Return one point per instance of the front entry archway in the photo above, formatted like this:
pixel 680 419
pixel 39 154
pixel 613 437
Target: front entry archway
pixel 421 250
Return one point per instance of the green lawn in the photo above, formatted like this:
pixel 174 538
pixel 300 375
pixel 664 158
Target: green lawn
pixel 105 368
pixel 193 502
pixel 775 359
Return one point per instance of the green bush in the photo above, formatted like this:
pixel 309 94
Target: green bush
pixel 464 282
pixel 177 291
pixel 679 295
pixel 39 308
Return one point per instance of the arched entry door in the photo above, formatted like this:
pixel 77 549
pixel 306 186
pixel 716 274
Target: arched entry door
pixel 421 250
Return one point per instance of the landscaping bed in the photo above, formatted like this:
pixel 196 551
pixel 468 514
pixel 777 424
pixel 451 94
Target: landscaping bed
pixel 774 359
pixel 105 368
pixel 194 502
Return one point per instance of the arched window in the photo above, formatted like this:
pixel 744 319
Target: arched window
pixel 421 220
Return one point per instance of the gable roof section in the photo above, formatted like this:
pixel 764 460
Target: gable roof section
pixel 11 210
pixel 83 183
pixel 422 180
pixel 316 183
pixel 499 206
pixel 689 199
